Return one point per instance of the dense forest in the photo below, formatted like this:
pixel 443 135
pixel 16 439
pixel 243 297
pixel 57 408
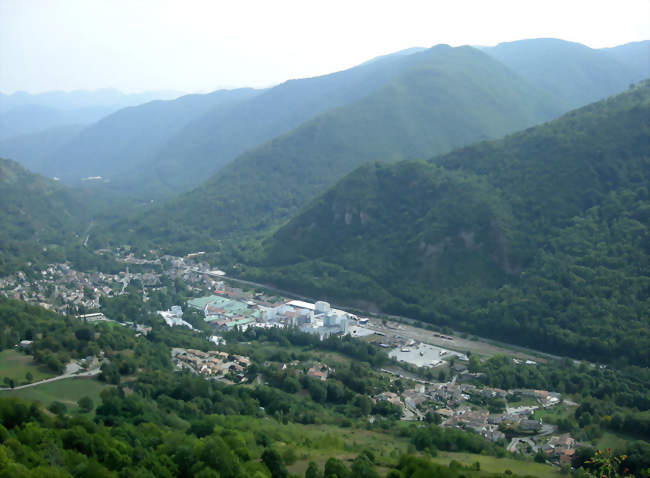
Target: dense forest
pixel 539 239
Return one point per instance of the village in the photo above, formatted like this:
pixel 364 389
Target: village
pixel 61 288
pixel 505 416
pixel 457 399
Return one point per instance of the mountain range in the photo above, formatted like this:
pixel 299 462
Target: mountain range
pixel 527 238
pixel 540 238
pixel 172 152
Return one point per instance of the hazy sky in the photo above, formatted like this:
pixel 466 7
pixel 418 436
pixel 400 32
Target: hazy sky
pixel 193 45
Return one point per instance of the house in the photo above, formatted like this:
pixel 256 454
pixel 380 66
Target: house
pixel 445 412
pixel 317 373
pixel 530 425
pixel 390 397
pixel 567 456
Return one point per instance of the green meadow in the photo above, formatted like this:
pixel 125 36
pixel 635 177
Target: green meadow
pixel 67 391
pixel 15 365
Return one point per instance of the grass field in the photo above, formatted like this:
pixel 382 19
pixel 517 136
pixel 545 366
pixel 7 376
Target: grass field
pixel 322 442
pixel 492 464
pixel 67 391
pixel 15 365
pixel 613 440
pixel 554 413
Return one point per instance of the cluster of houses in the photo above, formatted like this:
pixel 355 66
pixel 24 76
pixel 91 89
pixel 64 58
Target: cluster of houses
pixel 211 364
pixel 560 448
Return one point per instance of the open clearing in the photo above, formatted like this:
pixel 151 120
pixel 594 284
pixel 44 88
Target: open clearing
pixel 15 365
pixel 492 464
pixel 67 391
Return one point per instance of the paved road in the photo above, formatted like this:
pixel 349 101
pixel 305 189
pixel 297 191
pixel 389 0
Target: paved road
pixel 89 373
pixel 512 447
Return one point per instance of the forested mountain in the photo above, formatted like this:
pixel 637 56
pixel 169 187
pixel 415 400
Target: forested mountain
pixel 635 55
pixel 540 238
pixel 572 73
pixel 210 142
pixel 450 97
pixel 29 119
pixel 34 149
pixel 123 141
pixel 156 150
pixel 42 220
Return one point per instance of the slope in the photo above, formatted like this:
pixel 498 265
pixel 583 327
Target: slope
pixel 76 99
pixel 452 96
pixel 572 73
pixel 635 55
pixel 42 221
pixel 34 149
pixel 29 119
pixel 130 136
pixel 540 238
pixel 208 143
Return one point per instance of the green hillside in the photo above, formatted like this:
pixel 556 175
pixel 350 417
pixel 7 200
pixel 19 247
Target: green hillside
pixel 42 220
pixel 126 139
pixel 540 238
pixel 635 55
pixel 572 73
pixel 451 97
pixel 29 119
pixel 211 141
pixel 33 150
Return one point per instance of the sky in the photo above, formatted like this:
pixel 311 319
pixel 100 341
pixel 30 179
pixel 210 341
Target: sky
pixel 203 45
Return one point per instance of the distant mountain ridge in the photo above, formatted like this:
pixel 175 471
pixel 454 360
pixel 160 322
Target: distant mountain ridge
pixel 572 73
pixel 30 119
pixel 635 55
pixel 447 98
pixel 76 99
pixel 177 154
pixel 213 140
pixel 125 140
pixel 34 149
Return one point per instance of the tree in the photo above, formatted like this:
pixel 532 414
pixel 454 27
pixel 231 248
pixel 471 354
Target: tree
pixel 273 462
pixel 313 471
pixel 335 468
pixel 86 404
pixel 84 334
pixel 474 364
pixel 58 408
pixel 362 468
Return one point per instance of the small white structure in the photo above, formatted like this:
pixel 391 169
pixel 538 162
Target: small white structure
pixel 215 339
pixel 301 304
pixel 174 317
pixel 322 307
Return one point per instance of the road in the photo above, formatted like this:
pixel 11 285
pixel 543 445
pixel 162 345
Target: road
pixel 89 373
